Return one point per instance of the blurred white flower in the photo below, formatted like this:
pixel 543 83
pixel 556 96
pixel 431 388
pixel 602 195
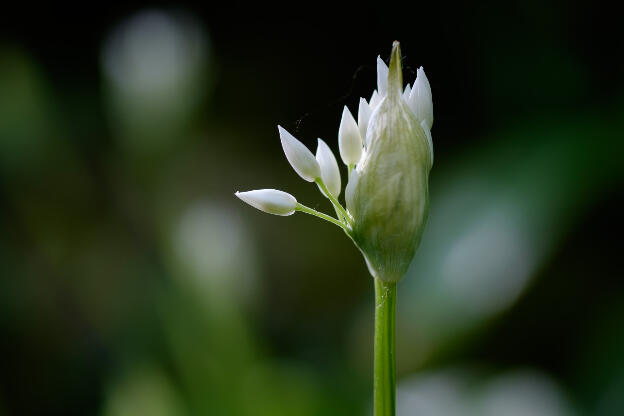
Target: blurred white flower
pixel 522 393
pixel 153 53
pixel 212 255
pixel 143 391
pixel 155 65
pixel 467 392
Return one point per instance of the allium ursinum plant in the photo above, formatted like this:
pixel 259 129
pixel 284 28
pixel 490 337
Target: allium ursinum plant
pixel 388 153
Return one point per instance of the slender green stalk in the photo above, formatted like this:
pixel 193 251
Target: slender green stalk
pixel 311 211
pixel 337 205
pixel 339 215
pixel 385 364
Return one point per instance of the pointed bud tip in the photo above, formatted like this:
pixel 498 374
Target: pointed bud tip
pixel 395 74
pixel 319 143
pixel 396 49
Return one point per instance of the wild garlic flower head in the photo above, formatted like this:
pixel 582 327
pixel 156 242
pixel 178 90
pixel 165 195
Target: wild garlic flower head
pixel 388 152
pixel 388 192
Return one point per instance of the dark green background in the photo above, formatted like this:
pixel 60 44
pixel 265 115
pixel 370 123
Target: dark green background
pixel 519 277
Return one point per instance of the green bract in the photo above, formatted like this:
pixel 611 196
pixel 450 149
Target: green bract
pixel 388 192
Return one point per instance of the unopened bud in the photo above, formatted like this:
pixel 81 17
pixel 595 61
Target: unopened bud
pixel 330 173
pixel 387 194
pixel 349 140
pixel 420 100
pixel 270 201
pixel 382 77
pixel 299 157
pixel 364 113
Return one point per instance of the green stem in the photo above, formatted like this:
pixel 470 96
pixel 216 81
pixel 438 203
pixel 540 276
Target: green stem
pixel 333 200
pixel 385 365
pixel 339 215
pixel 308 210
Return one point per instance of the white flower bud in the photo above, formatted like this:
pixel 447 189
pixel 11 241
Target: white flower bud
pixel 382 77
pixel 420 100
pixel 270 201
pixel 330 173
pixel 349 140
pixel 299 157
pixel 374 100
pixel 407 92
pixel 364 113
pixel 387 194
pixel 425 127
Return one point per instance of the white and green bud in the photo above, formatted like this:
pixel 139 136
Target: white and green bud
pixel 330 173
pixel 382 77
pixel 271 201
pixel 425 127
pixel 299 157
pixel 420 98
pixel 349 140
pixel 364 113
pixel 374 100
pixel 387 194
pixel 406 92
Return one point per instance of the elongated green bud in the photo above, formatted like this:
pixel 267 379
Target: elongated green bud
pixel 387 193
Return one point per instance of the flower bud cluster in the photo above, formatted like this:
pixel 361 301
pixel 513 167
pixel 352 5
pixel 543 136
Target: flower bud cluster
pixel 388 152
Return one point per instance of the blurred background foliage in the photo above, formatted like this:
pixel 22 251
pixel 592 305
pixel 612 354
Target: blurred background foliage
pixel 133 282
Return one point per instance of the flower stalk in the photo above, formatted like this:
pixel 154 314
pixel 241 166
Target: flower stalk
pixel 384 377
pixel 311 211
